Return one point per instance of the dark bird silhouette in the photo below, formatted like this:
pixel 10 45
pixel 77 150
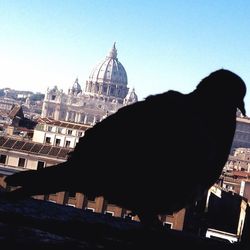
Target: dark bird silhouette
pixel 152 157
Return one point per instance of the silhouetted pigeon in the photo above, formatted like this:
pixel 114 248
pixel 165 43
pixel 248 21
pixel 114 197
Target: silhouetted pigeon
pixel 152 157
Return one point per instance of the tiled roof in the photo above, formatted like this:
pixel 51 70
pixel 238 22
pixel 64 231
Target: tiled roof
pixel 13 112
pixel 241 174
pixel 33 147
pixel 63 124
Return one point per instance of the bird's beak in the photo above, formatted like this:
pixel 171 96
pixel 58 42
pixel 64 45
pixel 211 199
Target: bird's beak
pixel 241 107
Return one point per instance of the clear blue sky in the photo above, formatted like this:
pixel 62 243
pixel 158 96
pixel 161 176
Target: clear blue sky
pixel 162 44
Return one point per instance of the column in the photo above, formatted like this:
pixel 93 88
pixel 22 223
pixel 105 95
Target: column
pixel 67 116
pixel 79 117
pixel 94 120
pixel 76 117
pixel 85 119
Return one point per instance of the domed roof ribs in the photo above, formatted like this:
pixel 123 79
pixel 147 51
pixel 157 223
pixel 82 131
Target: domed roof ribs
pixel 108 69
pixel 99 70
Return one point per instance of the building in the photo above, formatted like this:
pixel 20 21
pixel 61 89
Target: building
pixel 24 154
pixel 12 94
pixel 226 212
pixel 239 160
pixel 105 92
pixel 10 114
pixel 58 133
pixel 236 172
pixel 220 215
pixel 242 133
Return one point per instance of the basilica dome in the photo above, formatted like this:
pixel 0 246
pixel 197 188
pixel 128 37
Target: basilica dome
pixel 108 78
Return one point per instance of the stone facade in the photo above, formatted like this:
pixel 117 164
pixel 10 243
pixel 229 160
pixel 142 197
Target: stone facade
pixel 242 133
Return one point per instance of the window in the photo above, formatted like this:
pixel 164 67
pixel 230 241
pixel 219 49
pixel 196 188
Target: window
pixel 3 159
pixel 49 128
pixel 67 144
pixel 109 213
pixel 47 139
pixel 69 132
pixel 40 165
pixel 91 198
pixel 79 133
pixel 21 162
pixel 90 209
pixel 104 90
pixel 97 87
pixel 167 225
pixel 59 130
pixel 53 97
pixel 72 194
pixel 58 141
pixel 128 217
pixel 112 91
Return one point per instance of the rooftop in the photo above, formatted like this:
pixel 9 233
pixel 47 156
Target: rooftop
pixel 64 124
pixel 9 143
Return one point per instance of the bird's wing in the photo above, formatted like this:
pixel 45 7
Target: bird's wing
pixel 134 148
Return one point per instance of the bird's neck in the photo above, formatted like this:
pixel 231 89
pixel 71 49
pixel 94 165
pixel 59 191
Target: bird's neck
pixel 219 115
pixel 214 106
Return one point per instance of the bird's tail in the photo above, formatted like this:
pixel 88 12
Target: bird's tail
pixel 34 182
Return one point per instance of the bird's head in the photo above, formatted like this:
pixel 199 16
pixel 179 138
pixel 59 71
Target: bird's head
pixel 225 87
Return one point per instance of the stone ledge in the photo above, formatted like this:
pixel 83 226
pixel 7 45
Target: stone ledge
pixel 37 224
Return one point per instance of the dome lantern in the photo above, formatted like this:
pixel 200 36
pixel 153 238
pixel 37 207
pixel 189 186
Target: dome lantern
pixel 113 52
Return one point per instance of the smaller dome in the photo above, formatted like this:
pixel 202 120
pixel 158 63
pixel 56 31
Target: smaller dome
pixel 131 97
pixel 76 88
